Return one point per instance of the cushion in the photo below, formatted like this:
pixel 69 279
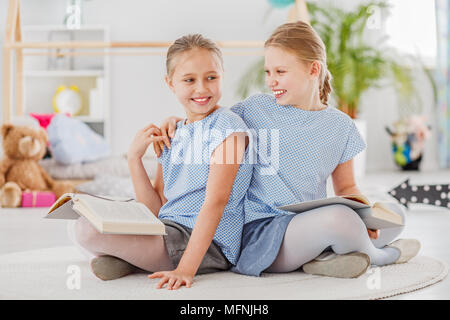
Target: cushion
pixel 113 165
pixel 109 185
pixel 72 141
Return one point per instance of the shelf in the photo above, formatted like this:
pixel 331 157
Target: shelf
pixel 90 74
pixel 64 73
pixel 61 27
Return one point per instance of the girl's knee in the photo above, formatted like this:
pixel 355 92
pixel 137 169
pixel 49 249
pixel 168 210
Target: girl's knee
pixel 341 214
pixel 346 223
pixel 85 232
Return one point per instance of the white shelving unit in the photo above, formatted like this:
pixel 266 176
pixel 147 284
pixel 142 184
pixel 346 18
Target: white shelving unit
pixel 43 74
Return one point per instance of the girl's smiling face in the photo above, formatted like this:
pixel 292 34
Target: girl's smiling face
pixel 292 82
pixel 196 81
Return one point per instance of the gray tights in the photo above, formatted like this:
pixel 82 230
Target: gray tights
pixel 336 226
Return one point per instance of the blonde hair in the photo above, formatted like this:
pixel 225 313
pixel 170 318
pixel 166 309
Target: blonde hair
pixel 189 42
pixel 301 39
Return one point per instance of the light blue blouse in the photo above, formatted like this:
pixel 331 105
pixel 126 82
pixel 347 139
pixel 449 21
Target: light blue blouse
pixel 294 150
pixel 185 169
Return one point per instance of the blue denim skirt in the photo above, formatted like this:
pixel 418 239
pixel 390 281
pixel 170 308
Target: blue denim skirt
pixel 261 242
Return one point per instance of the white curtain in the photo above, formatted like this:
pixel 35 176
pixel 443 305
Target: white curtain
pixel 443 81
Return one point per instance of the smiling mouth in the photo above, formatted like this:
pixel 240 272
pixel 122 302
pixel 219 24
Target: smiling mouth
pixel 202 100
pixel 278 93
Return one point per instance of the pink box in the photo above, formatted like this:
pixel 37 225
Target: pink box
pixel 38 199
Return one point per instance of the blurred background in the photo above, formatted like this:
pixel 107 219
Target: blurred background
pixel 384 57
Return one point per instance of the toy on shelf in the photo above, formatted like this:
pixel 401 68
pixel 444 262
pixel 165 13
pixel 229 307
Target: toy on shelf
pixel 67 100
pixel 408 141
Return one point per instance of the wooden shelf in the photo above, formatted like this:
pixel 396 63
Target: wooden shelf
pixel 64 73
pixel 61 27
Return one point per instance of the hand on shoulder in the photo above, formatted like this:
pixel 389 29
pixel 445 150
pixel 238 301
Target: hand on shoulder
pixel 144 137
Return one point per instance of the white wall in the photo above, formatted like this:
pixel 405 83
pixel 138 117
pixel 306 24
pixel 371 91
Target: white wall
pixel 138 92
pixel 379 108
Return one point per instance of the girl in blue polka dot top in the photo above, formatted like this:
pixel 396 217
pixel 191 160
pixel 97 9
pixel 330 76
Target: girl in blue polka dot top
pixel 298 142
pixel 200 186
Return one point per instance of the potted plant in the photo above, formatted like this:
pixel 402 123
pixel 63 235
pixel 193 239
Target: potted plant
pixel 354 64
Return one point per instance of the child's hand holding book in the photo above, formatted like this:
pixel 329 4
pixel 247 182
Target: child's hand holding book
pixel 373 234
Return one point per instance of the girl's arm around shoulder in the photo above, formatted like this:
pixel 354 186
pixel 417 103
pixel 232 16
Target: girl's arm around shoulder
pixel 168 127
pixel 224 165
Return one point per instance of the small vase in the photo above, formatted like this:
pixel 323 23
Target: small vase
pixel 413 165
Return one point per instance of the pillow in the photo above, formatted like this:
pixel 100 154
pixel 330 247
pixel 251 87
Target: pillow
pixel 72 141
pixel 108 185
pixel 113 165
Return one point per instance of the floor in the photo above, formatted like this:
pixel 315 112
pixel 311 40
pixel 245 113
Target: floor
pixel 25 229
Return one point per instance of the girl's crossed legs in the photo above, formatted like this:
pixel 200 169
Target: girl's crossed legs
pixel 336 226
pixel 145 252
pixel 307 236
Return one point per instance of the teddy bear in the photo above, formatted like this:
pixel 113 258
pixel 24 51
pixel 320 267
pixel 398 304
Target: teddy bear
pixel 20 170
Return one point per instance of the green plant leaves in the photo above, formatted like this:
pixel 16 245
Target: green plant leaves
pixel 355 64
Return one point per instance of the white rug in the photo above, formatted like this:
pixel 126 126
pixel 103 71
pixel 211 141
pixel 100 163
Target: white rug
pixel 63 273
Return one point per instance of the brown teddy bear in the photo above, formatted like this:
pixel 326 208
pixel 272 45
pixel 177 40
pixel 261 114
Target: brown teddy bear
pixel 20 170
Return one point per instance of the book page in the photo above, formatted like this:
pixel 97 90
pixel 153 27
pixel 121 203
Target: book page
pixel 64 210
pixel 61 201
pixel 374 220
pixel 117 211
pixel 357 197
pixel 386 213
pixel 309 205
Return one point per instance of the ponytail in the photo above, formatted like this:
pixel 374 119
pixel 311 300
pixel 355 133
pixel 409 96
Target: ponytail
pixel 325 88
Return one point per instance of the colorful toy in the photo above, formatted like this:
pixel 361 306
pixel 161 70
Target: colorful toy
pixel 43 118
pixel 408 140
pixel 31 199
pixel 67 100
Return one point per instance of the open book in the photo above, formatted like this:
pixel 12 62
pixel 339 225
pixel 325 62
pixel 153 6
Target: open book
pixel 108 215
pixel 376 216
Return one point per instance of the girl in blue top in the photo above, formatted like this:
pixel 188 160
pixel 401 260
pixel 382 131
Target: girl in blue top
pixel 200 185
pixel 299 141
